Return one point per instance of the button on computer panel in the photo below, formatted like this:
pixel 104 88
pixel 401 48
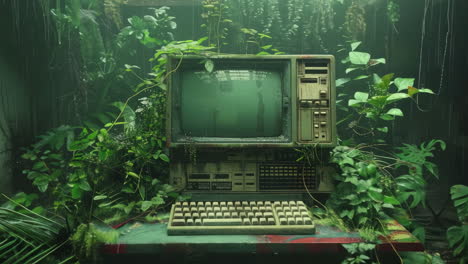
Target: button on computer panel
pixel 240 217
pixel 314 92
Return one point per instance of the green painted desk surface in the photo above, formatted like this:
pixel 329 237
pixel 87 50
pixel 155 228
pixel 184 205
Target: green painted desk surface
pixel 145 238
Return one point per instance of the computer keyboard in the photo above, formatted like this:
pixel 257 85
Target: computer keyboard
pixel 240 217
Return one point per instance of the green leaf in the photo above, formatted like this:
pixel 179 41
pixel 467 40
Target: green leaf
pixel 76 191
pixel 387 117
pixel 263 53
pixel 266 47
pixel 209 65
pixel 391 200
pixel 354 45
pixel 378 61
pixel 348 70
pixel 99 197
pixel 341 81
pixel 145 205
pixel 360 77
pixel 129 67
pixel 404 83
pixel 395 112
pixel 360 96
pixel 397 96
pixel 425 90
pixel 383 129
pixel 164 157
pixel 359 58
pixel 352 102
pixel 84 185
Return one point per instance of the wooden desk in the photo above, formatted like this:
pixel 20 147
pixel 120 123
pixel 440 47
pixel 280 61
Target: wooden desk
pixel 151 239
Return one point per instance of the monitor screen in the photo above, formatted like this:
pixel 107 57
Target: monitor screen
pixel 231 103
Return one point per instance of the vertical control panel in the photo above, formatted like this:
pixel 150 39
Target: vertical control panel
pixel 314 98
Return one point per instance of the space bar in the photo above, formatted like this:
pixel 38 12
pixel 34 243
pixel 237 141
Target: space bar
pixel 222 222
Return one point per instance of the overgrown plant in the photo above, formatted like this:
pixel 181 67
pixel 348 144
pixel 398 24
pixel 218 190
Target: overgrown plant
pixel 457 236
pixel 376 178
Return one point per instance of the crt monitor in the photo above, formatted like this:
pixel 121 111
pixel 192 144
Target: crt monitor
pixel 241 122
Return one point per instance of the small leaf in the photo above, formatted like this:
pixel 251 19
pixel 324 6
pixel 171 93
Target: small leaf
pixel 404 83
pixel 383 129
pixel 209 65
pixel 360 96
pixel 359 58
pixel 397 96
pixel 412 90
pixel 360 77
pixel 266 47
pixel 99 197
pixel 354 45
pixel 145 205
pixel 164 157
pixel 341 81
pixel 395 112
pixel 425 90
pixel 84 185
pixel 348 70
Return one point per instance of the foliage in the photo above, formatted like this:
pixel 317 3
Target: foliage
pixel 27 236
pixel 457 236
pixel 421 258
pixel 151 31
pixel 215 22
pixel 375 105
pixel 413 182
pixel 255 39
pixel 399 175
pixel 359 253
pixel 88 237
pixel 355 21
pixel 114 171
pixel 362 192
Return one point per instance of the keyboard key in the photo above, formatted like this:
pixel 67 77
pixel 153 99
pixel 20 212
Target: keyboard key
pixel 178 216
pixel 271 221
pixel 283 221
pixel 307 220
pixel 262 220
pixel 219 215
pixel 222 222
pixel 291 221
pixel 198 222
pixel 246 221
pixel 222 204
pixel 227 215
pixel 178 222
pixel 190 221
pixel 211 215
pixel 229 204
pixel 254 221
pixel 178 210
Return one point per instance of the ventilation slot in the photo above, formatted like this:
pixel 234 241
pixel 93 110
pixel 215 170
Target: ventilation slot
pixel 199 176
pixel 308 80
pixel 286 177
pixel 309 71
